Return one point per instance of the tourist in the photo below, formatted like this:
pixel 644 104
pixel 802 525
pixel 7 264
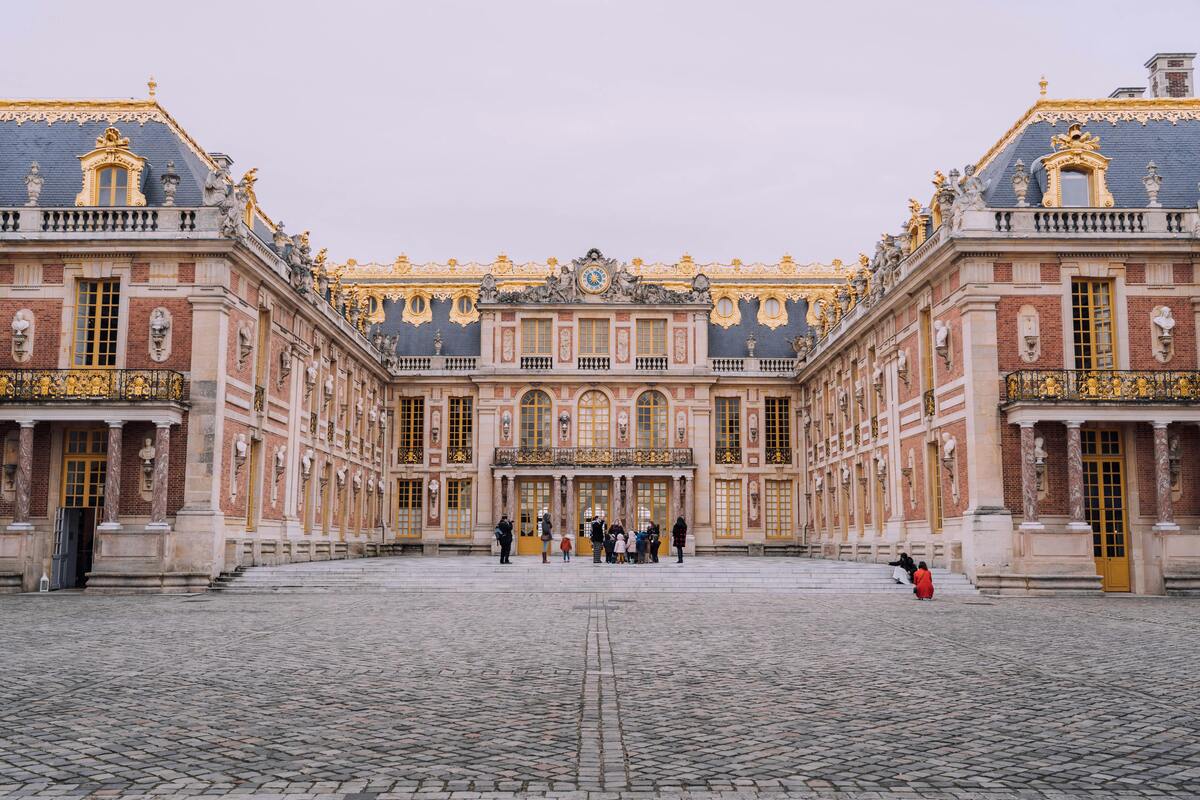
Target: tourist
pixel 642 538
pixel 619 548
pixel 565 546
pixel 923 582
pixel 904 569
pixel 547 538
pixel 597 537
pixel 504 535
pixel 616 530
pixel 679 538
pixel 652 541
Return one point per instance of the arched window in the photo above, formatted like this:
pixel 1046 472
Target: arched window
pixel 725 307
pixel 1076 189
pixel 535 421
pixel 464 305
pixel 112 186
pixel 593 420
pixel 651 421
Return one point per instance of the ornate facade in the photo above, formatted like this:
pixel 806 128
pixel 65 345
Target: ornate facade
pixel 1008 387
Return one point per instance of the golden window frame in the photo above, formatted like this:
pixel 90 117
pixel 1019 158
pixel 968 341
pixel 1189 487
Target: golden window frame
pixel 112 150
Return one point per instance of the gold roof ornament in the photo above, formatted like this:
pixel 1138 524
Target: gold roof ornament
pixel 1075 139
pixel 938 178
pixel 1042 84
pixel 152 85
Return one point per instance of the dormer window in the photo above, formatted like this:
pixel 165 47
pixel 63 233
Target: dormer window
pixel 1076 188
pixel 112 173
pixel 112 186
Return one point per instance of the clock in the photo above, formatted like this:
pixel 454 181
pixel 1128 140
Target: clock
pixel 594 279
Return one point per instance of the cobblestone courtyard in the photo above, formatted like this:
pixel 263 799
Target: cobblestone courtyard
pixel 569 695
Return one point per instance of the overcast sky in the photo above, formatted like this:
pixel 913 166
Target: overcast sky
pixel 464 129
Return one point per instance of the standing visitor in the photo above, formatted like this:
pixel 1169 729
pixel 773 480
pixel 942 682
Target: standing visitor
pixel 619 548
pixel 565 546
pixel 923 582
pixel 547 538
pixel 597 537
pixel 613 532
pixel 653 541
pixel 679 537
pixel 642 538
pixel 504 535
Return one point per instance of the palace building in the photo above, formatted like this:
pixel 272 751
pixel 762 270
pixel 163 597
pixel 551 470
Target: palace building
pixel 1008 386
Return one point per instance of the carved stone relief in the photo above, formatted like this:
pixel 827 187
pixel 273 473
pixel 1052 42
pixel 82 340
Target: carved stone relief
pixel 941 340
pixel 160 334
pixel 508 345
pixel 680 346
pixel 245 343
pixel 622 345
pixel 22 336
pixel 1162 326
pixel 564 344
pixel 1029 328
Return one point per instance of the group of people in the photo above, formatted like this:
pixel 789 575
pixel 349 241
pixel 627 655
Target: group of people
pixel 910 573
pixel 612 542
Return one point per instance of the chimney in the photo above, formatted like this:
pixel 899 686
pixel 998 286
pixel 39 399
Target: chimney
pixel 223 161
pixel 1127 92
pixel 1171 74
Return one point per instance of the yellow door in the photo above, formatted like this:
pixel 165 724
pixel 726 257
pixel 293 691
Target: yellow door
pixel 593 496
pixel 533 502
pixel 1104 505
pixel 652 507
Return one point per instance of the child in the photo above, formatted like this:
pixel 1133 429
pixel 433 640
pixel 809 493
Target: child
pixel 619 547
pixel 565 546
pixel 923 582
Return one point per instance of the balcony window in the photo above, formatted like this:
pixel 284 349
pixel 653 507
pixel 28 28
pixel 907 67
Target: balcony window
pixel 1076 188
pixel 652 337
pixel 651 420
pixel 729 430
pixel 1092 324
pixel 593 415
pixel 535 337
pixel 535 420
pixel 112 186
pixel 410 432
pixel 96 308
pixel 593 337
pixel 778 430
pixel 458 449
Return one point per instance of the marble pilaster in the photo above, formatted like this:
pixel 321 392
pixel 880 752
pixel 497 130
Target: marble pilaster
pixel 112 478
pixel 24 480
pixel 1078 520
pixel 1029 480
pixel 162 465
pixel 1162 479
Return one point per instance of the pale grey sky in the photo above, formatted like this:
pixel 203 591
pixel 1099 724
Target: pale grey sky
pixel 463 129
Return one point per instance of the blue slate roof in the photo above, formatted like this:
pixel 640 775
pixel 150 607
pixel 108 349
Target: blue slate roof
pixel 57 148
pixel 417 340
pixel 731 342
pixel 1130 144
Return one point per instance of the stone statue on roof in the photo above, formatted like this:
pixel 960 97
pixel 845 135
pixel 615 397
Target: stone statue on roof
pixel 971 190
pixel 488 293
pixel 216 187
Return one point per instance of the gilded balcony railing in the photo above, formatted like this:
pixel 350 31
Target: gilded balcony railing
pixel 1104 385
pixel 728 455
pixel 458 455
pixel 410 455
pixel 76 385
pixel 592 457
pixel 779 455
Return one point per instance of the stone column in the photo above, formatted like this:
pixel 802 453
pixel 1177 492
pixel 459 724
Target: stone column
pixel 1162 479
pixel 556 504
pixel 112 478
pixel 569 512
pixel 497 496
pixel 162 458
pixel 1029 481
pixel 688 501
pixel 20 519
pixel 1078 520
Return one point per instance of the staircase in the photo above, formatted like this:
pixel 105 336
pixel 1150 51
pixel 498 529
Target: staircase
pixel 528 575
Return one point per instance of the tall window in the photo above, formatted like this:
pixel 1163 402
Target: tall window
pixel 934 470
pixel 408 508
pixel 112 186
pixel 461 430
pixel 925 334
pixel 410 431
pixel 593 337
pixel 729 430
pixel 535 420
pixel 651 337
pixel 1075 187
pixel 593 420
pixel 1092 321
pixel 652 421
pixel 777 417
pixel 778 508
pixel 728 507
pixel 458 508
pixel 96 306
pixel 535 337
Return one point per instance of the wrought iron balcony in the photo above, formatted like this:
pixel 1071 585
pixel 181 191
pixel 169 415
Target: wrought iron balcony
pixel 728 455
pixel 593 457
pixel 89 385
pixel 410 455
pixel 458 455
pixel 1103 385
pixel 779 455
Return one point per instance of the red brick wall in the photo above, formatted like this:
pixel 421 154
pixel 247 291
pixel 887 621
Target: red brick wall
pixel 1050 272
pixel 1141 353
pixel 1008 332
pixel 52 273
pixel 137 348
pixel 1184 274
pixel 246 372
pixel 950 508
pixel 1135 274
pixel 133 440
pixel 273 510
pixel 912 389
pixel 917 445
pixel 187 273
pixel 141 273
pixel 47 319
pixel 942 374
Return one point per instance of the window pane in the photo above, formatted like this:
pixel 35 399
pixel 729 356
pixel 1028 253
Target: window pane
pixel 1075 190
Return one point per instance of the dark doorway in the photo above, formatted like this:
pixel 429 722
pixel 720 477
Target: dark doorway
pixel 74 540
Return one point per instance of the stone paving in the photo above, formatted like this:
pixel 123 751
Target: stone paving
pixel 598 696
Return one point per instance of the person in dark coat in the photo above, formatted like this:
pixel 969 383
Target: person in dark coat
pixel 904 569
pixel 504 535
pixel 652 540
pixel 679 538
pixel 610 543
pixel 547 537
pixel 597 537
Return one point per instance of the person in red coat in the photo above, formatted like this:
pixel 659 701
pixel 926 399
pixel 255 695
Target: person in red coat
pixel 923 582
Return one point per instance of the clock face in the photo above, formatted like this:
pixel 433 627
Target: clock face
pixel 593 280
